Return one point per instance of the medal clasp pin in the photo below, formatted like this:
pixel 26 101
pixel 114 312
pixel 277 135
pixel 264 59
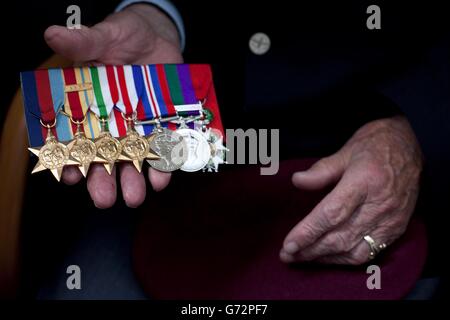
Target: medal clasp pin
pixel 49 129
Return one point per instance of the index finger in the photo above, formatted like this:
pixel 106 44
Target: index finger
pixel 334 209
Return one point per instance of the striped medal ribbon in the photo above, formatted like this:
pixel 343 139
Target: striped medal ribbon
pixel 41 120
pixel 135 148
pixel 158 102
pixel 108 147
pixel 84 125
pixel 199 150
pixel 159 113
pixel 182 92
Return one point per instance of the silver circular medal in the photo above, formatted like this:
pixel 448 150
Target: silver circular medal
pixel 171 148
pixel 199 151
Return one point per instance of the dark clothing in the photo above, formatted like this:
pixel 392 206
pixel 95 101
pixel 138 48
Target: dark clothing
pixel 325 70
pixel 326 74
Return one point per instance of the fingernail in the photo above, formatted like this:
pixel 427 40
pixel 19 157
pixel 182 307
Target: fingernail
pixel 291 247
pixel 156 189
pixel 297 175
pixel 285 257
pixel 98 206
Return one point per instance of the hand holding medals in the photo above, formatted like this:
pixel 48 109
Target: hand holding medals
pixel 147 38
pixel 112 114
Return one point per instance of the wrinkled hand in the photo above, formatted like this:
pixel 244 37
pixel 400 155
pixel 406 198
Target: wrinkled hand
pixel 140 34
pixel 377 174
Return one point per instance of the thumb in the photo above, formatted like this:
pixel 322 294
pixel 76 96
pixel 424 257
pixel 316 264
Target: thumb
pixel 79 45
pixel 323 173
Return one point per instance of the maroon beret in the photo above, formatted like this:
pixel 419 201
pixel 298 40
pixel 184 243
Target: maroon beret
pixel 218 236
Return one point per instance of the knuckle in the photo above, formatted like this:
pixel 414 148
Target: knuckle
pixel 354 235
pixel 322 164
pixel 108 29
pixel 399 227
pixel 380 176
pixel 392 204
pixel 308 231
pixel 325 164
pixel 357 259
pixel 338 242
pixel 332 212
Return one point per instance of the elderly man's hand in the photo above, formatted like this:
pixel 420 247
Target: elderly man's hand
pixel 377 174
pixel 140 34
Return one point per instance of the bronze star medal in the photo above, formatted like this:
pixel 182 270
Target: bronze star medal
pixel 134 147
pixel 82 149
pixel 109 148
pixel 53 155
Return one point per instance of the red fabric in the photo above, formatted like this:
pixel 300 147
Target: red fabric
pixel 74 98
pixel 140 110
pixel 217 236
pixel 44 94
pixel 121 128
pixel 124 91
pixel 120 122
pixel 112 84
pixel 202 82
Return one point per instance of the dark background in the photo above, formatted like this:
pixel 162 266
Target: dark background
pixel 325 75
